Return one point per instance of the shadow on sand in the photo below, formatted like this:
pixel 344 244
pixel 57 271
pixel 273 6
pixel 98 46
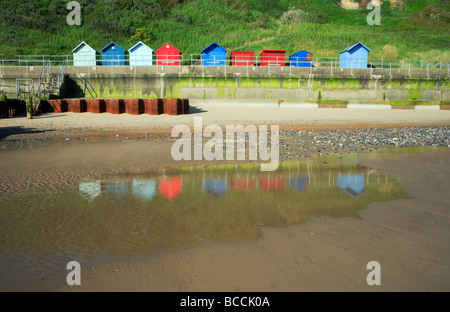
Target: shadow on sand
pixel 196 110
pixel 8 131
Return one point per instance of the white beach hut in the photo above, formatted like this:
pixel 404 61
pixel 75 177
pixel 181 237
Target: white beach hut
pixel 141 55
pixel 90 190
pixel 84 55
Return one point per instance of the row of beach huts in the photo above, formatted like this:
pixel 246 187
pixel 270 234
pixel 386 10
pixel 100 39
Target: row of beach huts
pixel 172 187
pixel 353 56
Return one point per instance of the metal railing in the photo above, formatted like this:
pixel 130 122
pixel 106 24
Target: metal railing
pixel 23 91
pixel 201 60
pixel 48 83
pixel 327 65
pixel 62 73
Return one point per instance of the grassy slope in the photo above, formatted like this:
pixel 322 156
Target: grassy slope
pixel 39 27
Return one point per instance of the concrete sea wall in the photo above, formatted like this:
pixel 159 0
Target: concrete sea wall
pixel 323 87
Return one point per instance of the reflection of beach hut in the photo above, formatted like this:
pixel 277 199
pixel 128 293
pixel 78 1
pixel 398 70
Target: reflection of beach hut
pixel 215 187
pixel 84 55
pixel 113 55
pixel 90 190
pixel 119 189
pixel 239 184
pixel 299 183
pixel 353 185
pixel 141 55
pixel 214 55
pixel 170 188
pixel 144 190
pixel 272 183
pixel 301 59
pixel 354 56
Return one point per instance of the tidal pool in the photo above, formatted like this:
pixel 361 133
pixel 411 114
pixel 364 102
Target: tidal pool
pixel 147 214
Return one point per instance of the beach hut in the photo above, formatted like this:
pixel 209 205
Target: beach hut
pixel 242 183
pixel 141 55
pixel 170 188
pixel 215 187
pixel 214 55
pixel 301 59
pixel 242 58
pixel 144 190
pixel 354 56
pixel 353 184
pixel 272 58
pixel 299 183
pixel 119 189
pixel 168 55
pixel 84 55
pixel 90 190
pixel 113 55
pixel 272 183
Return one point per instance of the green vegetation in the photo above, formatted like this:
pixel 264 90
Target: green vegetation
pixel 3 106
pixel 415 29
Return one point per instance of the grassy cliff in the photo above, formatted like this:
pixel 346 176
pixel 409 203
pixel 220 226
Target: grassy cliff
pixel 415 29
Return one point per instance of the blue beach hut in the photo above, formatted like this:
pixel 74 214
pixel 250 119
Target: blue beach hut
pixel 353 185
pixel 354 56
pixel 214 55
pixel 299 183
pixel 113 55
pixel 119 189
pixel 141 55
pixel 144 190
pixel 215 187
pixel 301 59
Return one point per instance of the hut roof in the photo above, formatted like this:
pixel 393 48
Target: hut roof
pixel 352 46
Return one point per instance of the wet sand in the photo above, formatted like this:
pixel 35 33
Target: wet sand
pixel 408 237
pixel 106 124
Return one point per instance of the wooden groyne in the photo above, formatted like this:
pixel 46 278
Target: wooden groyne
pixel 175 106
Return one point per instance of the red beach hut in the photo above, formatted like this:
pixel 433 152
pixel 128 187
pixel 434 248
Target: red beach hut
pixel 272 184
pixel 168 55
pixel 170 188
pixel 273 58
pixel 242 58
pixel 242 184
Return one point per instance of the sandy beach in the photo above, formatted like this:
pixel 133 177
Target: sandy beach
pixel 408 237
pixel 286 118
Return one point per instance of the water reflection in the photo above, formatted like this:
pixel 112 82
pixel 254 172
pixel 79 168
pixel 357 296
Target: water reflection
pixel 90 190
pixel 148 213
pixel 118 189
pixel 242 183
pixel 299 183
pixel 352 184
pixel 215 187
pixel 170 188
pixel 272 183
pixel 144 190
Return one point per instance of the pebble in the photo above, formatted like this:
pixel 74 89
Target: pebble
pixel 300 144
pixel 308 143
